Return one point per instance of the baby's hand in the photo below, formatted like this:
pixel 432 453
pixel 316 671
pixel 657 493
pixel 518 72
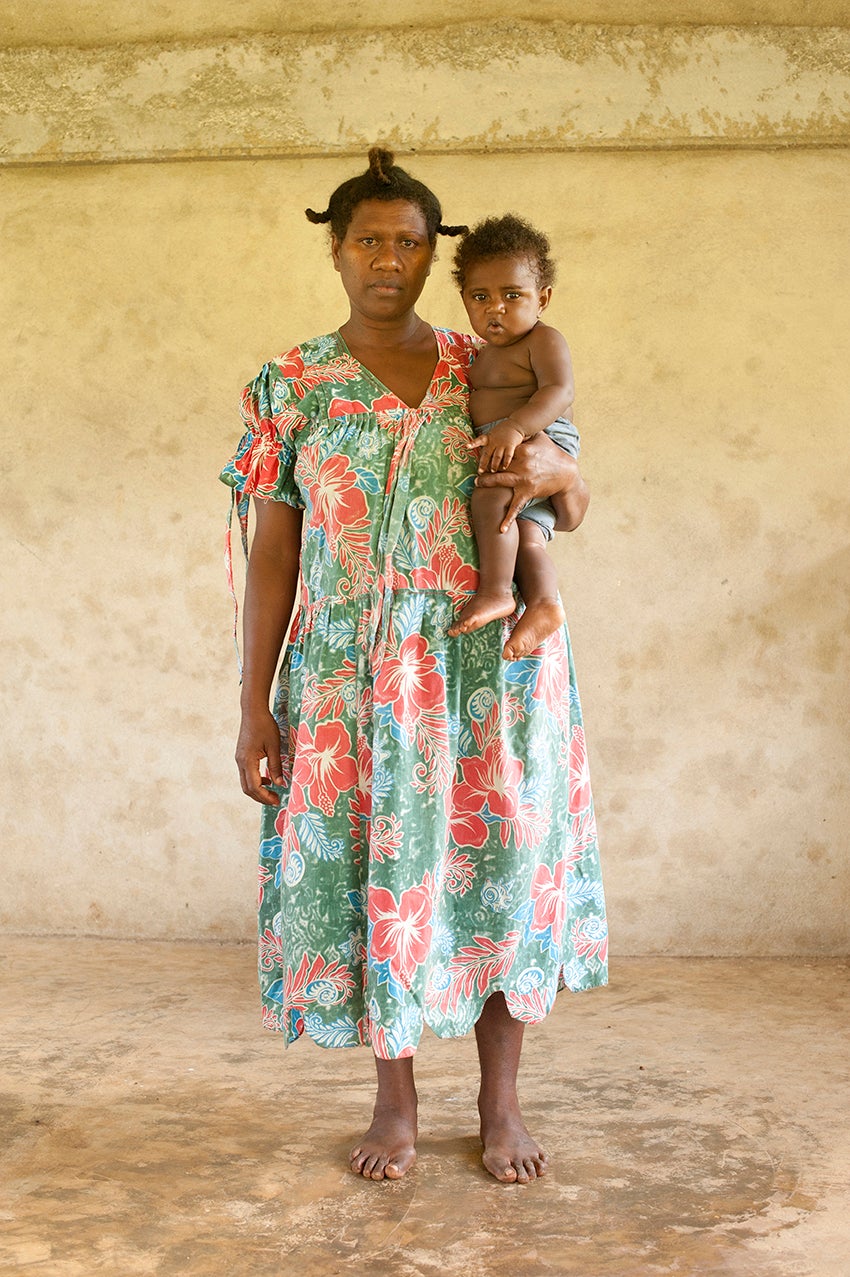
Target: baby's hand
pixel 497 447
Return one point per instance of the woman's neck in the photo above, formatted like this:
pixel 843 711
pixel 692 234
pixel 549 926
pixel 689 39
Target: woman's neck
pixel 399 334
pixel 402 356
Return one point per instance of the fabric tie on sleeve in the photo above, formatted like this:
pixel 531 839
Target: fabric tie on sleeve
pixel 240 502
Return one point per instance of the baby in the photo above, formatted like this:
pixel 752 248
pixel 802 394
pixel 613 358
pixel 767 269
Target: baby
pixel 521 382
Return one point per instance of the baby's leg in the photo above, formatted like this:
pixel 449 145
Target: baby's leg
pixel 497 552
pixel 538 585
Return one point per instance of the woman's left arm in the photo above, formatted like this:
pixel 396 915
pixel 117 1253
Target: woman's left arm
pixel 541 469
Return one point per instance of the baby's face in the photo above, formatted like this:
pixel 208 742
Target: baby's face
pixel 502 299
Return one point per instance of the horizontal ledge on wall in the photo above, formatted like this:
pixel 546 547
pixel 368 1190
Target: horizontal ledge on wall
pixel 245 156
pixel 481 88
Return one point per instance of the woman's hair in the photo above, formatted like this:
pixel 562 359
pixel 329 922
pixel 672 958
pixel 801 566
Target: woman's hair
pixel 383 180
pixel 508 236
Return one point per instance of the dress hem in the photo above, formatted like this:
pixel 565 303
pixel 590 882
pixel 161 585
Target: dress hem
pixel 410 1048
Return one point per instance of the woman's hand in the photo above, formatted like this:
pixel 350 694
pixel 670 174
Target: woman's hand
pixel 541 469
pixel 259 738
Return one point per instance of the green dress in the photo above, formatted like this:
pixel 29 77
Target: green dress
pixel 435 841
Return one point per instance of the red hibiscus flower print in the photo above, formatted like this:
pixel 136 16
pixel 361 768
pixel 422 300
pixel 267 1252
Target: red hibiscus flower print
pixel 552 685
pixel 489 782
pixel 579 773
pixel 549 898
pixel 400 932
pixel 411 683
pixel 338 503
pixel 447 571
pixel 345 407
pixel 386 403
pixel 324 768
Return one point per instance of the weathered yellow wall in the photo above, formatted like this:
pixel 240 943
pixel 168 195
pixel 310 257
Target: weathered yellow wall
pixel 705 297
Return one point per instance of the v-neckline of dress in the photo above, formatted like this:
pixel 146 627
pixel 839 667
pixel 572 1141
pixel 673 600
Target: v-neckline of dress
pixel 386 389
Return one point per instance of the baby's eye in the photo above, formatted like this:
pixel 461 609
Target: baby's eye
pixel 512 297
pixel 479 297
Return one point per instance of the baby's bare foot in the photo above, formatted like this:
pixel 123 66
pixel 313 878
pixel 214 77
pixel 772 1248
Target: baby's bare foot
pixel 387 1150
pixel 534 626
pixel 483 607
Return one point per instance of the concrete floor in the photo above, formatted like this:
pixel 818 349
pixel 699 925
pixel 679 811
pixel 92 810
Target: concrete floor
pixel 696 1112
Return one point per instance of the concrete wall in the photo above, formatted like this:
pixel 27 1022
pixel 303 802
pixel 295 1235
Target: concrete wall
pixel 703 287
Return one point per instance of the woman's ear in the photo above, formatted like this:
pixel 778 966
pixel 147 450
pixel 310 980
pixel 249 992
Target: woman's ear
pixel 335 251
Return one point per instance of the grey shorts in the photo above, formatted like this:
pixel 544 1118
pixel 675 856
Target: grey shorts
pixel 564 434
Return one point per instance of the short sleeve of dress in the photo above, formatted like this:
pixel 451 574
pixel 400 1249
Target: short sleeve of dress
pixel 464 348
pixel 263 464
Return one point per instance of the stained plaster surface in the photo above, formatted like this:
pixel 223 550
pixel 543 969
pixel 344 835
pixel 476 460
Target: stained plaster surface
pixel 89 22
pixel 695 1113
pixel 705 297
pixel 489 86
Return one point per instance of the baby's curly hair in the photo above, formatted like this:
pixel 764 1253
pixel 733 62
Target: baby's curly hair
pixel 383 180
pixel 508 236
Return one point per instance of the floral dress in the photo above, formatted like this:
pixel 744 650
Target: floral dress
pixel 435 840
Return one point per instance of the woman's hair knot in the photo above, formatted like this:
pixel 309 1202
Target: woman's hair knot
pixel 380 163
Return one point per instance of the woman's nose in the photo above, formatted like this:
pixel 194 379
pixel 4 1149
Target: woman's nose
pixel 386 258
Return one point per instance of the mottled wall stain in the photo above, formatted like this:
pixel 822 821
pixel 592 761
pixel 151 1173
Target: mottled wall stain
pixel 442 88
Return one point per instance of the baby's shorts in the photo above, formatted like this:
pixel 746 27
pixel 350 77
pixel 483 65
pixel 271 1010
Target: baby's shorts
pixel 541 511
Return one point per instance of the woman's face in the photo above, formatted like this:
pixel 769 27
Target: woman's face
pixel 384 258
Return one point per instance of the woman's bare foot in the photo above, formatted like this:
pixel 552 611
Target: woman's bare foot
pixel 537 622
pixel 387 1150
pixel 510 1153
pixel 483 607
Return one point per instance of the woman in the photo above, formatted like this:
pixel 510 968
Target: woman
pixel 428 850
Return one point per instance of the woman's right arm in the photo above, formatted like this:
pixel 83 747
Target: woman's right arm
pixel 269 598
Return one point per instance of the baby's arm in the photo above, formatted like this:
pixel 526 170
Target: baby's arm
pixel 551 364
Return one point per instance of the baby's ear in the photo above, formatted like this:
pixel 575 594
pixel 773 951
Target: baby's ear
pixel 545 297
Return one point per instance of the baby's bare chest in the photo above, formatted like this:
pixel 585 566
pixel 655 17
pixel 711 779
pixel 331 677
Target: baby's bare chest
pixel 495 369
